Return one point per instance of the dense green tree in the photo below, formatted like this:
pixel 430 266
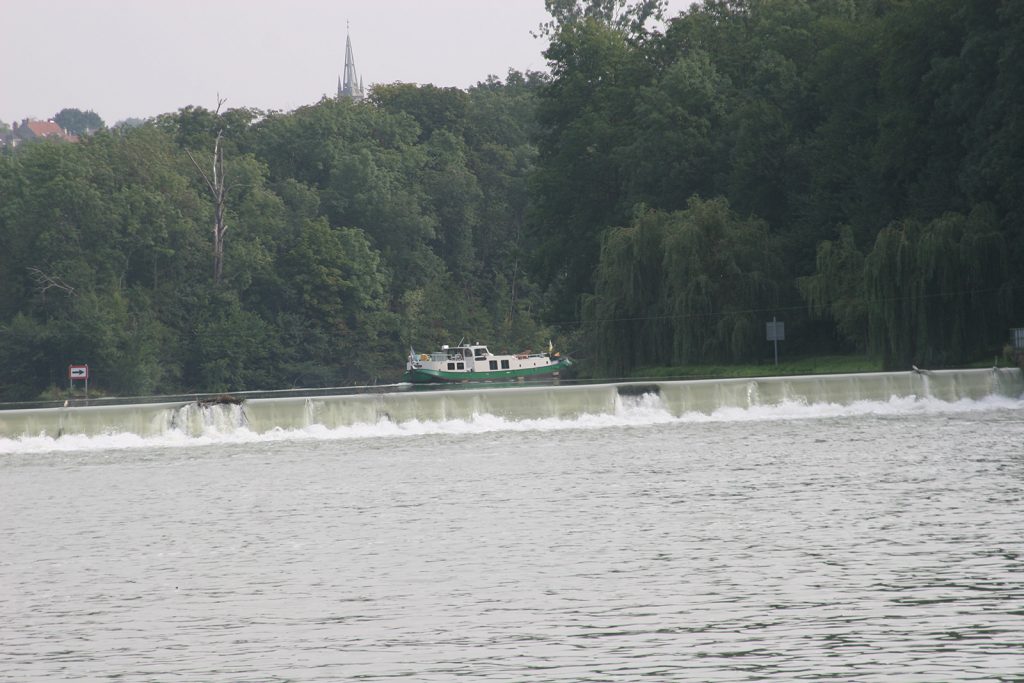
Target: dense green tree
pixel 683 287
pixel 721 282
pixel 79 122
pixel 336 283
pixel 26 353
pixel 627 313
pixel 583 114
pixel 130 122
pixel 98 236
pixel 678 155
pixel 365 164
pixel 623 15
pixel 231 348
pixel 843 187
pixel 836 289
pixel 455 200
pixel 937 292
pixel 431 107
pixel 501 151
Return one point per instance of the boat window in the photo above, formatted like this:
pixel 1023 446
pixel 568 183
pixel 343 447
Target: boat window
pixel 480 351
pixel 494 365
pixel 504 364
pixel 462 366
pixel 451 366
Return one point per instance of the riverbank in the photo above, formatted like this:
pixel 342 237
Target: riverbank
pixel 817 365
pixel 814 365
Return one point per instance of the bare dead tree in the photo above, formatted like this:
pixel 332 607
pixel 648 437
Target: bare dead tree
pixel 45 282
pixel 219 191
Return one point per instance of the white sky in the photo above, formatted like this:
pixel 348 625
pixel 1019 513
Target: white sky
pixel 139 58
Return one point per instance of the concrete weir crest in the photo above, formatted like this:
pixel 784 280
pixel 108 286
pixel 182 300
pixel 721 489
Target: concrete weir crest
pixel 521 402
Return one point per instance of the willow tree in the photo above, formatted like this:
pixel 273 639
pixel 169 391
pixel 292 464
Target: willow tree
pixel 683 287
pixel 624 317
pixel 721 282
pixel 836 290
pixel 938 292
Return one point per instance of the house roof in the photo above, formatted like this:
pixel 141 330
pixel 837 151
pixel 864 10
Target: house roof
pixel 44 128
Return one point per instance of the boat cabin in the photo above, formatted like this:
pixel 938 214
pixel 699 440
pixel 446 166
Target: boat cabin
pixel 467 358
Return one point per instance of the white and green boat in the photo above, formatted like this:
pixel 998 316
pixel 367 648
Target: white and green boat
pixel 474 363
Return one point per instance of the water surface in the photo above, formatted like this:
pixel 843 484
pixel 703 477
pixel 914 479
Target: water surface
pixel 875 542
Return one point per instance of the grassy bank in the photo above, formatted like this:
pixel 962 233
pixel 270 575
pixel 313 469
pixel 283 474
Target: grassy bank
pixel 817 365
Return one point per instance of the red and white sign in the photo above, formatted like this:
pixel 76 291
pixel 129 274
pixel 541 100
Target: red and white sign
pixel 78 372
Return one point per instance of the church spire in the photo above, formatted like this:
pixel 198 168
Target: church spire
pixel 351 85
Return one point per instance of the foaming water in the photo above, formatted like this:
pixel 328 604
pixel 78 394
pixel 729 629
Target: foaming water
pixel 646 409
pixel 480 409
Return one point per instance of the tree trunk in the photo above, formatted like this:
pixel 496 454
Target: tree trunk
pixel 218 190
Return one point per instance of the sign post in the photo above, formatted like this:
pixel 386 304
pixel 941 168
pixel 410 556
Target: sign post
pixel 79 372
pixel 775 331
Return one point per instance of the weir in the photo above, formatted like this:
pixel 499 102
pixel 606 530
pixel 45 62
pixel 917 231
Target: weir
pixel 261 415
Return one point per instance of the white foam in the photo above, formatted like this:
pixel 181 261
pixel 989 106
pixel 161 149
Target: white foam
pixel 641 411
pixel 896 406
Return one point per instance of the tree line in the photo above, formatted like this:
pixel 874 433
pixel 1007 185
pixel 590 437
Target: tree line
pixel 350 231
pixel 852 167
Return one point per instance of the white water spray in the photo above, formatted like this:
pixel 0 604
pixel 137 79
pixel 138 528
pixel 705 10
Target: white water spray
pixel 542 408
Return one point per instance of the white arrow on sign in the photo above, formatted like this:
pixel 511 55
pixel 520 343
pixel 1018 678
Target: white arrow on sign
pixel 78 371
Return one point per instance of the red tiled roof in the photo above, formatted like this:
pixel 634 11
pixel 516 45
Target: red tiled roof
pixel 44 128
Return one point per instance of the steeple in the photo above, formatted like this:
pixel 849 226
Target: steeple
pixel 350 86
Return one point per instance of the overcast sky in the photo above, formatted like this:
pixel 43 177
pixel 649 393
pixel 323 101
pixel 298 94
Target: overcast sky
pixel 139 58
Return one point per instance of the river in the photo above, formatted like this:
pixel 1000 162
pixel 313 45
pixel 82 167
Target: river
pixel 877 541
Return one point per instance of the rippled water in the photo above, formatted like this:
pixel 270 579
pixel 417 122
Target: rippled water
pixel 874 544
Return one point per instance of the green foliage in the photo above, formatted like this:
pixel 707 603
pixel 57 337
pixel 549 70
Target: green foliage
pixel 836 290
pixel 722 275
pixel 353 230
pixel 26 356
pixel 119 333
pixel 584 114
pixel 78 122
pixel 628 308
pixel 812 365
pixel 937 292
pixel 688 286
pixel 231 349
pixel 805 116
pixel 433 108
pixel 621 14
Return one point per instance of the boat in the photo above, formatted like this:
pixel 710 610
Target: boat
pixel 475 363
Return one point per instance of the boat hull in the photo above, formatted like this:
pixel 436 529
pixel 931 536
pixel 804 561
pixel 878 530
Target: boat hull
pixel 427 376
